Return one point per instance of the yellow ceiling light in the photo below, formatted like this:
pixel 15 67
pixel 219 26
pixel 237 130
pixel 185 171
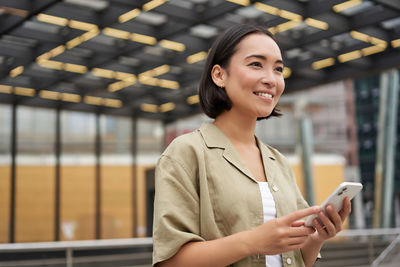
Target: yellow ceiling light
pixel 378 42
pixel 372 50
pixel 346 5
pixel 89 35
pixel 116 86
pixel 266 8
pixel 168 84
pixel 287 72
pixel 317 23
pixel 148 80
pixel 287 25
pixel 129 81
pixel 116 33
pixel 273 30
pixel 290 15
pixel 74 42
pixel 173 45
pixel 17 71
pixel 160 70
pixel 349 56
pixel 75 68
pixel 51 64
pixel 153 4
pixel 52 19
pixel 112 103
pixel 129 15
pixel 149 108
pixel 144 39
pixel 194 99
pixel 84 26
pixel 324 63
pixel 49 94
pixel 57 51
pixel 5 89
pixel 68 97
pixel 167 107
pixel 43 57
pixel 360 36
pixel 197 57
pixel 395 43
pixel 109 74
pixel 240 2
pixel 24 91
pixel 93 100
pixel 123 75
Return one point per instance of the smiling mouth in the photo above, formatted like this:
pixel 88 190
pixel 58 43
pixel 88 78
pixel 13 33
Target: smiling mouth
pixel 263 94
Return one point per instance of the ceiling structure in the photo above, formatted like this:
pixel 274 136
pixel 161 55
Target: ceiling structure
pixel 145 57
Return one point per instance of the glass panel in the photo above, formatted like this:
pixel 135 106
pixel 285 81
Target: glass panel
pixel 150 139
pixel 116 177
pixel 35 175
pixel 77 176
pixel 5 170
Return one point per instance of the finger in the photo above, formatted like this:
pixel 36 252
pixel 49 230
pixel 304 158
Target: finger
pixel 298 223
pixel 297 240
pixel 321 229
pixel 327 224
pixel 345 211
pixel 292 217
pixel 334 216
pixel 303 231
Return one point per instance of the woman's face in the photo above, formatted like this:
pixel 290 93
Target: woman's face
pixel 253 79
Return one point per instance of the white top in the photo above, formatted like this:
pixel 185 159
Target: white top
pixel 269 213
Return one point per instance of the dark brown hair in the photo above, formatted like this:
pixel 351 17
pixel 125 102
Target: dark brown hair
pixel 213 99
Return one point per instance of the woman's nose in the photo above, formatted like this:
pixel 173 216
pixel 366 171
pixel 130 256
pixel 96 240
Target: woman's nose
pixel 269 78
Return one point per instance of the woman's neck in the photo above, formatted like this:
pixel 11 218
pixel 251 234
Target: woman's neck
pixel 239 129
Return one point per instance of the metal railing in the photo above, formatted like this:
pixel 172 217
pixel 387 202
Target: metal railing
pixel 137 251
pixel 386 252
pixel 356 247
pixel 134 249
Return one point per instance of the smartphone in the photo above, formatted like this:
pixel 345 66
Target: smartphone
pixel 345 189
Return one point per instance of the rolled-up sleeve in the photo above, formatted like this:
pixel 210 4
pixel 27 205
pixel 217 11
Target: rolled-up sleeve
pixel 176 208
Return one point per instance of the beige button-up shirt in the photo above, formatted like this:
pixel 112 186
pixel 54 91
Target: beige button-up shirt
pixel 204 191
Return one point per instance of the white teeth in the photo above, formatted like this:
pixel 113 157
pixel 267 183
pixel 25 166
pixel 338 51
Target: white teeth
pixel 263 94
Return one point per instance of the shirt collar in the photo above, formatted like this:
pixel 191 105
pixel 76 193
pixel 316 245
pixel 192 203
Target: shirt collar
pixel 215 138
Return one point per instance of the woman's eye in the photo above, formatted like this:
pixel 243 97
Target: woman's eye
pixel 256 64
pixel 279 69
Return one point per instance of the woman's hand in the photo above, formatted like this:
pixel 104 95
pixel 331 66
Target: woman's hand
pixel 282 234
pixel 329 225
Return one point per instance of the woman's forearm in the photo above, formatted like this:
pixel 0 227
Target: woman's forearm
pixel 219 252
pixel 310 251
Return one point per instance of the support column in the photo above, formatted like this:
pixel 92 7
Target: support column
pixel 57 150
pixel 134 175
pixel 386 149
pixel 98 177
pixel 353 165
pixel 13 172
pixel 305 148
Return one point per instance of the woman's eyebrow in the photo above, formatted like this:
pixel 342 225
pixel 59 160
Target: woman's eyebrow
pixel 263 58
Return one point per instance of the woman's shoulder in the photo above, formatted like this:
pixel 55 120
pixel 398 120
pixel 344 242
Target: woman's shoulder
pixel 185 144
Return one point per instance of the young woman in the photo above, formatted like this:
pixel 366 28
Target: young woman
pixel 222 196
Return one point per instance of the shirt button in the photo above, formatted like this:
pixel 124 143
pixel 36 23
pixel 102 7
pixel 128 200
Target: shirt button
pixel 289 261
pixel 275 188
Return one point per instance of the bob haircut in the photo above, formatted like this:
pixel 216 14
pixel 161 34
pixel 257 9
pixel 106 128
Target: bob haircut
pixel 213 99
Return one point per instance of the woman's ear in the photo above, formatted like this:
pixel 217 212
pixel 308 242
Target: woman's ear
pixel 218 75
